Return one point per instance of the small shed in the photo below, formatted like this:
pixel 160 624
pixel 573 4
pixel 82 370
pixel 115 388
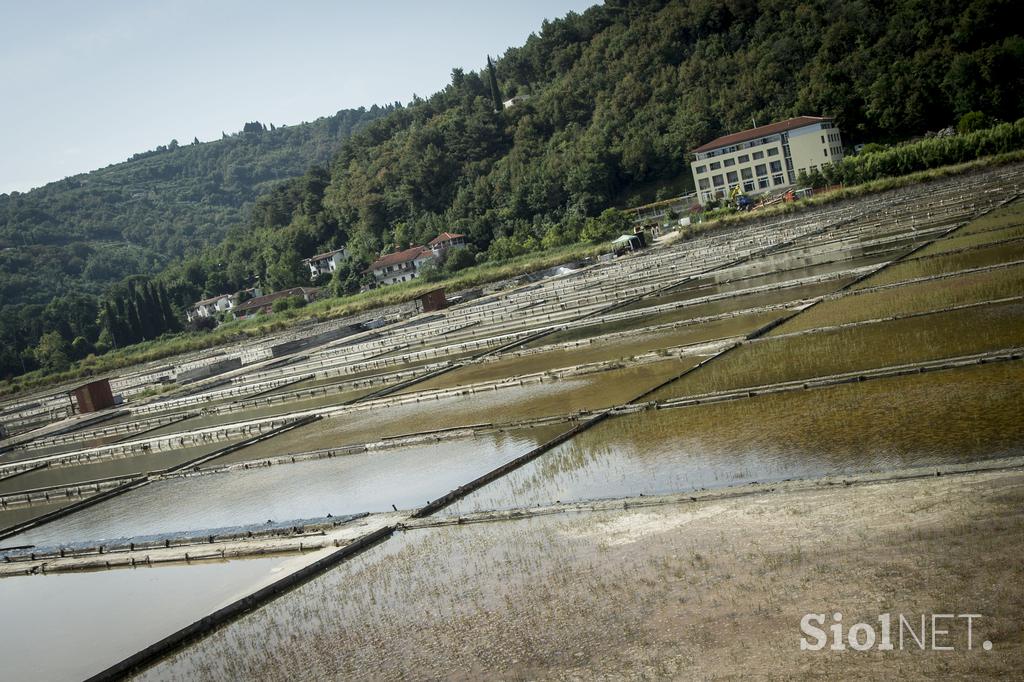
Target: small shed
pixel 93 396
pixel 433 300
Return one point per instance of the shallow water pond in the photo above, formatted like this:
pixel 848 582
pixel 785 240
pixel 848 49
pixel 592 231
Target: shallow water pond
pixel 508 404
pixel 835 351
pixel 406 477
pixel 124 466
pixel 912 298
pixel 57 616
pixel 927 266
pixel 600 350
pixel 941 417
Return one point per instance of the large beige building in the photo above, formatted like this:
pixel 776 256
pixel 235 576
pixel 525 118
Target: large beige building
pixel 765 158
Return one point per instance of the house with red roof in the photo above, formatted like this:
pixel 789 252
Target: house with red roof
pixel 764 158
pixel 401 266
pixel 445 241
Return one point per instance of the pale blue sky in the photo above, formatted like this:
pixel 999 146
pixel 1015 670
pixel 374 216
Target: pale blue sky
pixel 88 83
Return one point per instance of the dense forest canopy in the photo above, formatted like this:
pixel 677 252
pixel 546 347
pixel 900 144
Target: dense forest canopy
pixel 608 104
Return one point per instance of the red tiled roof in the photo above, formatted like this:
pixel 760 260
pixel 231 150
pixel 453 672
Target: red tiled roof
pixel 443 237
pixel 412 253
pixel 761 131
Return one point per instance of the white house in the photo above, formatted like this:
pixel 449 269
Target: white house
pixel 512 101
pixel 765 158
pixel 446 240
pixel 325 263
pixel 209 307
pixel 400 266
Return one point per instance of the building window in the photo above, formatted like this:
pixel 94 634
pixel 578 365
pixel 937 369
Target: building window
pixel 773 151
pixel 746 174
pixel 718 180
pixel 758 155
pixel 731 175
pixel 777 179
pixel 762 183
pixel 823 139
pixel 729 162
pixel 761 169
pixel 826 152
pixel 748 186
pixel 716 165
pixel 743 158
pixel 704 184
pixel 700 169
pixel 776 166
pixel 801 170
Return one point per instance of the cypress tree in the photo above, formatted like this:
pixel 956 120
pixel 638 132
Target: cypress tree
pixel 495 92
pixel 170 321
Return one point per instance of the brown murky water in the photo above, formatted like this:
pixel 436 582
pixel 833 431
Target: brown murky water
pixel 600 351
pixel 14 515
pixel 959 240
pixel 946 262
pixel 1010 215
pixel 942 417
pixel 136 464
pixel 563 396
pixel 976 287
pixel 407 477
pixel 727 305
pixel 276 409
pixel 878 344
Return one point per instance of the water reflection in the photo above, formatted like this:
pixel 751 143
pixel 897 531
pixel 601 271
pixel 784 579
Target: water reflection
pixel 57 616
pixel 406 477
pixel 942 417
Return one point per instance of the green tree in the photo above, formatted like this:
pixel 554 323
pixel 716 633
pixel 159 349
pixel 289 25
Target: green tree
pixel 287 271
pixel 972 121
pixel 496 97
pixel 52 352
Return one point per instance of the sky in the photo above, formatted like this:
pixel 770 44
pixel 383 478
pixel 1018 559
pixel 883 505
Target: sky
pixel 84 84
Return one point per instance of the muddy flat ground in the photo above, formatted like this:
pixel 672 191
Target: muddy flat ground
pixel 691 590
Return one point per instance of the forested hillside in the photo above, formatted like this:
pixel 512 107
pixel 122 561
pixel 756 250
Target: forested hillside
pixel 616 97
pixel 88 231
